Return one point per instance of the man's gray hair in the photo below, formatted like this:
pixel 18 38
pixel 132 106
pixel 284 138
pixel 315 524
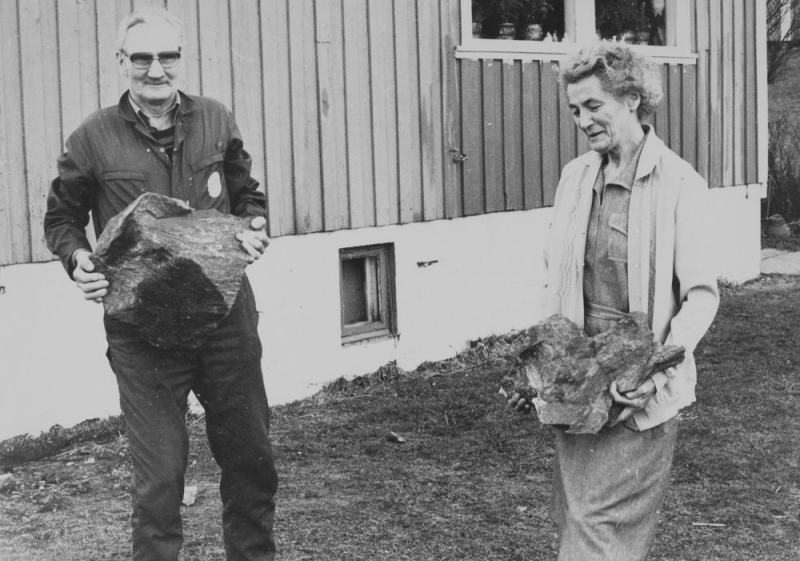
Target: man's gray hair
pixel 148 15
pixel 620 69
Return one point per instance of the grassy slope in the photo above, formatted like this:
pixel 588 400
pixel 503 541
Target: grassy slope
pixel 471 481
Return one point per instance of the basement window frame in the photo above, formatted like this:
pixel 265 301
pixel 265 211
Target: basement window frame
pixel 579 16
pixel 379 296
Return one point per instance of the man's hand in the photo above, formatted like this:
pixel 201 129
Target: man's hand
pixel 633 400
pixel 254 241
pixel 94 285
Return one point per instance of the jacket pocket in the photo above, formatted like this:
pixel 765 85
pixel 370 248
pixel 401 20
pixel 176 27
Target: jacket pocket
pixel 208 178
pixel 124 185
pixel 197 165
pixel 618 237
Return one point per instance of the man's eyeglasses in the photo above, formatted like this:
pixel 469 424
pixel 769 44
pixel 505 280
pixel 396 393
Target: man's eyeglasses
pixel 167 59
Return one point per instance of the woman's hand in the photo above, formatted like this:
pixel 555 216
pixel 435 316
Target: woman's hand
pixel 519 402
pixel 633 400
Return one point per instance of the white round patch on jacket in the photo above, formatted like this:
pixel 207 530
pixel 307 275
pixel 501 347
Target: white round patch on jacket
pixel 214 185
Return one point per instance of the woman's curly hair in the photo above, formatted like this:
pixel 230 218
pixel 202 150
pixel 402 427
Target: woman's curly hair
pixel 621 71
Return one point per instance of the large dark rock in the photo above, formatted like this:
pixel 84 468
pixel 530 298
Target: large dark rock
pixel 173 272
pixel 570 373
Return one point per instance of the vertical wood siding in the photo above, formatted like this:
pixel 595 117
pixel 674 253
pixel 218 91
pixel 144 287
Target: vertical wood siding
pixel 355 111
pixel 727 97
pixel 15 246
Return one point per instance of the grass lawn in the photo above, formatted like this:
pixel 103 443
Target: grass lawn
pixel 471 481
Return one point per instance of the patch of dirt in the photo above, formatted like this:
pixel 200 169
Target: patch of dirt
pixel 49 500
pixel 764 283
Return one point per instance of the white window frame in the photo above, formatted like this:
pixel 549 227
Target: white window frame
pixel 579 20
pixel 379 296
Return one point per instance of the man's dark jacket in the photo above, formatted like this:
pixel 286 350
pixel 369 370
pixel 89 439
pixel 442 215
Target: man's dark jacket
pixel 112 158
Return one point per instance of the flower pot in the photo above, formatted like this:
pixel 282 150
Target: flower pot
pixel 507 31
pixel 534 32
pixel 776 227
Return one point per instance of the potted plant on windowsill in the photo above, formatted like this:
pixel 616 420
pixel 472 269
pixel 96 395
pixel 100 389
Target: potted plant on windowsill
pixel 623 19
pixel 531 17
pixel 509 19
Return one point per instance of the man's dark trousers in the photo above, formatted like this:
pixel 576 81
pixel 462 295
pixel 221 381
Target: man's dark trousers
pixel 225 375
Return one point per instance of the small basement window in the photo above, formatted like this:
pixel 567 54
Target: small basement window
pixel 366 277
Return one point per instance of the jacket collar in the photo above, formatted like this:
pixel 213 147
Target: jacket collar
pixel 651 153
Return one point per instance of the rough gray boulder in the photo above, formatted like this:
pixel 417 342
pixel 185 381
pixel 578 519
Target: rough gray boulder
pixel 570 373
pixel 173 272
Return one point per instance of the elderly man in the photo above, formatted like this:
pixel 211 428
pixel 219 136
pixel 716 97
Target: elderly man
pixel 159 139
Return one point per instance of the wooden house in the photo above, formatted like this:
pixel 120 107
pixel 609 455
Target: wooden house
pixel 409 158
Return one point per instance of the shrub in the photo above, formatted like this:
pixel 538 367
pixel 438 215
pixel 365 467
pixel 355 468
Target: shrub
pixel 784 169
pixel 783 34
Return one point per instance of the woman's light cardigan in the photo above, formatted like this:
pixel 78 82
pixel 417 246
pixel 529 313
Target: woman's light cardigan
pixel 669 210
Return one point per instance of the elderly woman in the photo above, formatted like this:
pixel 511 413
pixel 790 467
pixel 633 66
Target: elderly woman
pixel 630 233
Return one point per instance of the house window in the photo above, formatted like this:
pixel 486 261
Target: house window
pixel 552 29
pixel 366 277
pixel 638 22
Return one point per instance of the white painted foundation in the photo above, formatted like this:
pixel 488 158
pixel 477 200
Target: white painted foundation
pixel 737 215
pixel 480 279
